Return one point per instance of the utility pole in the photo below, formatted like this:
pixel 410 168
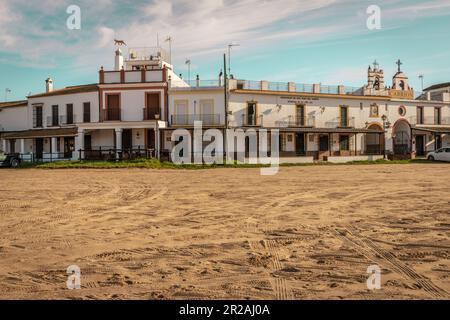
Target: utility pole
pixel 225 86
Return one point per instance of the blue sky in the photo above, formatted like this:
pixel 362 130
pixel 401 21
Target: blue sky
pixel 313 41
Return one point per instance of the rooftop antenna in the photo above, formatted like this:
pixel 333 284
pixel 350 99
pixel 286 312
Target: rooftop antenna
pixel 230 46
pixel 169 40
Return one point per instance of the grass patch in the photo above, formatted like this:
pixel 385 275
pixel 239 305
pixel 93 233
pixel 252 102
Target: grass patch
pixel 156 164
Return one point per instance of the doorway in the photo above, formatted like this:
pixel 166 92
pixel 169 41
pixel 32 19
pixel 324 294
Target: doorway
pixel 420 145
pixel 69 147
pixel 39 143
pixel 127 139
pixel 153 106
pixel 300 144
pixel 151 139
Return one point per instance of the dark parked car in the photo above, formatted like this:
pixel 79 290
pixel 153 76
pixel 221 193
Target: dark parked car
pixel 9 160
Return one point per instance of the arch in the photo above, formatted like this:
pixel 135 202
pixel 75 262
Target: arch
pixel 401 137
pixel 375 141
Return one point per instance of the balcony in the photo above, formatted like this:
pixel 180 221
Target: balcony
pixel 148 115
pixel 434 121
pixel 61 121
pixel 189 119
pixel 252 120
pixel 297 122
pixel 113 114
pixel 340 123
pixel 193 84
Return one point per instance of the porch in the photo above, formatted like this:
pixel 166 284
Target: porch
pixel 44 145
pixel 332 145
pixel 117 141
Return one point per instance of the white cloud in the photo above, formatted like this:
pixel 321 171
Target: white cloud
pixel 106 36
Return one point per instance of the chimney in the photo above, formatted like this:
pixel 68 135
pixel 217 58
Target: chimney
pixel 49 85
pixel 119 60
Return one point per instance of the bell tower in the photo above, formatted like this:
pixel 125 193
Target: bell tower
pixel 375 81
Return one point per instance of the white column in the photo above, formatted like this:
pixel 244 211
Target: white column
pixel 79 145
pixel 118 141
pixel 54 148
pixel 4 145
pixel 22 146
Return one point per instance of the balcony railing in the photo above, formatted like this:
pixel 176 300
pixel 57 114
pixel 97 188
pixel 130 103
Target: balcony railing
pixel 189 119
pixel 148 115
pixel 294 87
pixel 196 84
pixel 430 120
pixel 292 122
pixel 341 123
pixel 112 114
pixel 252 120
pixel 64 120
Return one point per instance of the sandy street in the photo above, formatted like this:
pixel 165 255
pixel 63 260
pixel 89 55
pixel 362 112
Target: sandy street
pixel 306 233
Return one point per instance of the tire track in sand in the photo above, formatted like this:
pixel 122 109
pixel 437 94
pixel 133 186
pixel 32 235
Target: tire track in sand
pixel 371 251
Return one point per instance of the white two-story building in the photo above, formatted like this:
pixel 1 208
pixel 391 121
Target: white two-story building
pixel 133 110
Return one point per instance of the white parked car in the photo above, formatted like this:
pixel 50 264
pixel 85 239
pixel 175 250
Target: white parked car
pixel 442 154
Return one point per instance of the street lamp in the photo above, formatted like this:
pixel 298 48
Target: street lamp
pixel 386 126
pixel 230 46
pixel 421 78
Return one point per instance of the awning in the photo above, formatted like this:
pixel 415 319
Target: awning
pixel 441 130
pixel 41 133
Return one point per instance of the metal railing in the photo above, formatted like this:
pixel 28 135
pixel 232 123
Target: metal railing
pixel 292 121
pixel 147 115
pixel 189 119
pixel 112 154
pixel 64 120
pixel 252 120
pixel 112 114
pixel 45 157
pixel 292 87
pixel 148 53
pixel 341 123
pixel 196 83
pixel 430 120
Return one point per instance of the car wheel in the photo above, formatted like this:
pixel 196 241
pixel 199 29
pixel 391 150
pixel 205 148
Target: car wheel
pixel 14 163
pixel 431 158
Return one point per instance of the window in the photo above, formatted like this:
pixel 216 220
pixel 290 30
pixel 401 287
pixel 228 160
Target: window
pixel 344 116
pixel 87 112
pixel 12 146
pixel 55 116
pixel 420 115
pixel 251 114
pixel 344 143
pixel 437 115
pixel 207 112
pixel 402 111
pixel 181 112
pixel 69 114
pixel 300 114
pixel 113 107
pixel 37 117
